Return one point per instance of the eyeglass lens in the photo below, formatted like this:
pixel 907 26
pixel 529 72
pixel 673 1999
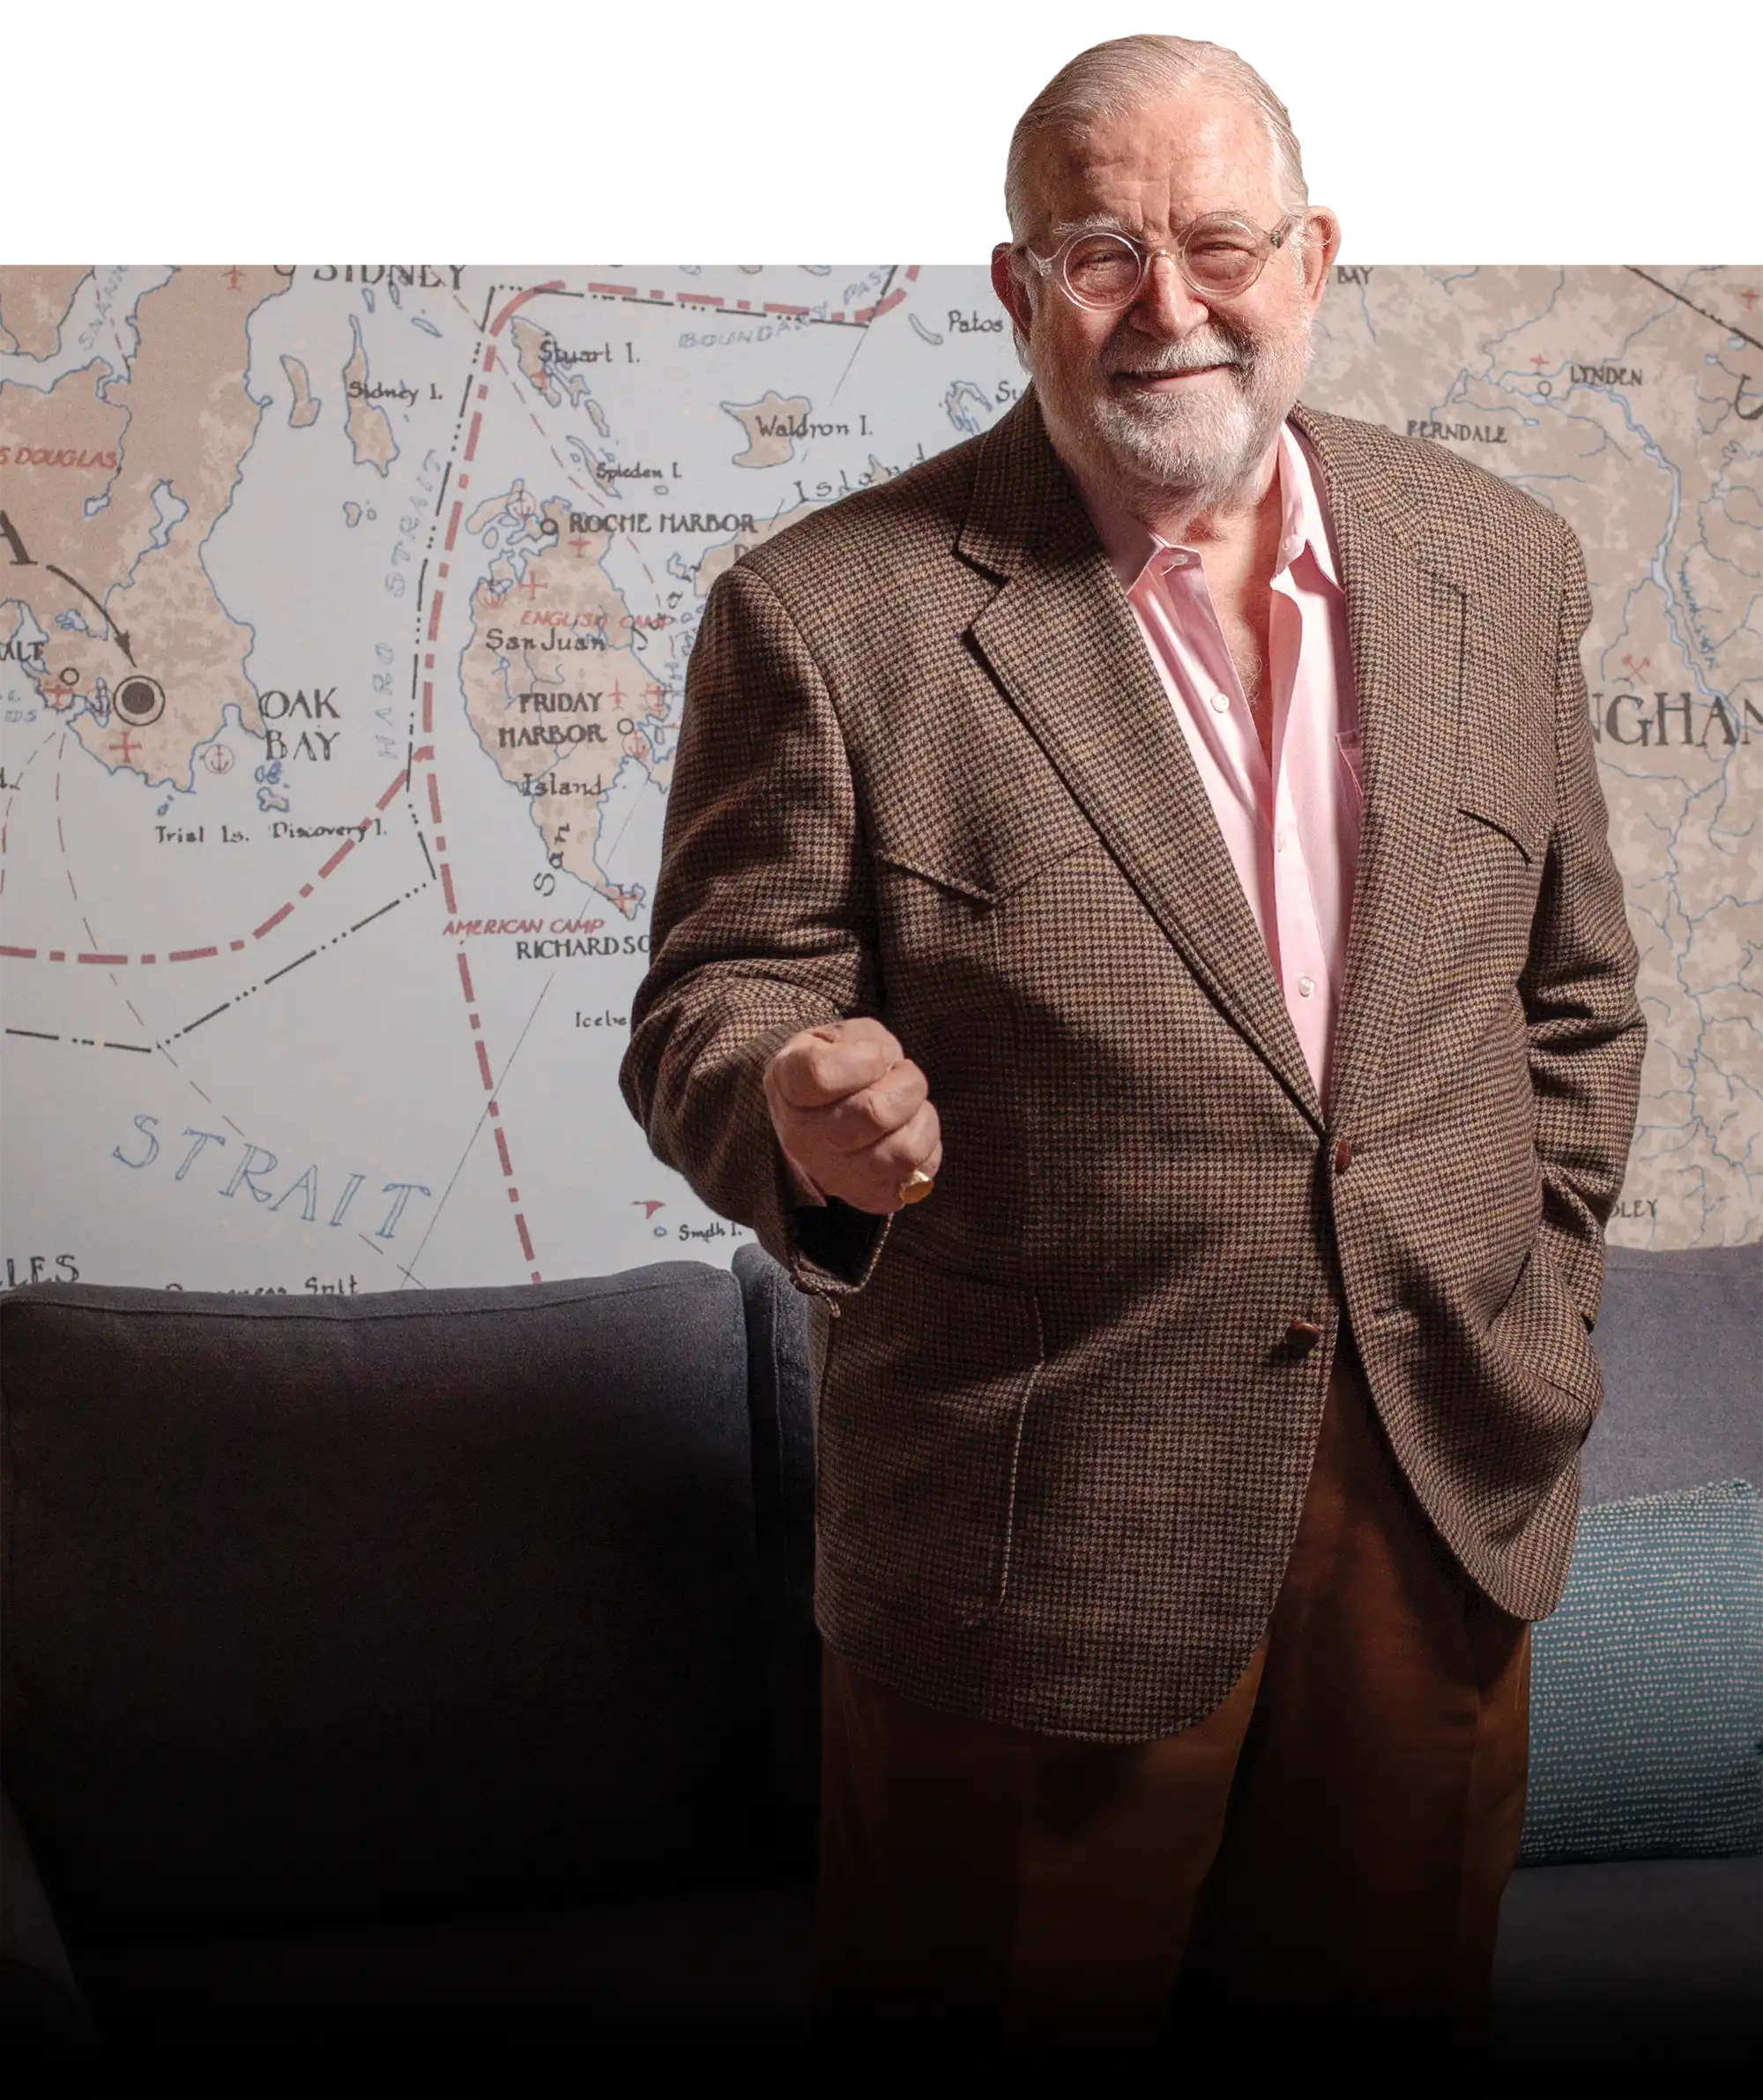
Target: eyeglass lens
pixel 1218 254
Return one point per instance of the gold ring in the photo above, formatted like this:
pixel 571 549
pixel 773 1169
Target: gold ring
pixel 916 1187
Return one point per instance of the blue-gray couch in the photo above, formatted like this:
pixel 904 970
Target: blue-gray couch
pixel 401 1690
pixel 1651 1967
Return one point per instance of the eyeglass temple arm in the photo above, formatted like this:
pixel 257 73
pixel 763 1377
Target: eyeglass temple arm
pixel 1044 263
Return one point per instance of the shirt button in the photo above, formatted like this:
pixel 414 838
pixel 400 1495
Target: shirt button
pixel 1220 703
pixel 1306 986
pixel 1279 843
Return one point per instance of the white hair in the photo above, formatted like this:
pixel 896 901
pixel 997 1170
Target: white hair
pixel 1110 79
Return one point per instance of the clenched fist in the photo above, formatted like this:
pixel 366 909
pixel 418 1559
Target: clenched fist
pixel 852 1112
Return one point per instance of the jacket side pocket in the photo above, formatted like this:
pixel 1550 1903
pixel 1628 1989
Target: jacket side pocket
pixel 928 1380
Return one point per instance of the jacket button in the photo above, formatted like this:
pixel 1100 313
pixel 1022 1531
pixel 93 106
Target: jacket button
pixel 1344 1155
pixel 1303 1335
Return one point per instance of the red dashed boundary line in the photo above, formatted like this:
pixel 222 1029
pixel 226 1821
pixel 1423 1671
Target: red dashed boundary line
pixel 429 630
pixel 464 449
pixel 494 1107
pixel 554 284
pixel 858 317
pixel 233 947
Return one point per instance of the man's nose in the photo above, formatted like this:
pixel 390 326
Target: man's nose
pixel 1167 304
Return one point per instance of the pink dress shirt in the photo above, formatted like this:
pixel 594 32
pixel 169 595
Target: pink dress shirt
pixel 1291 829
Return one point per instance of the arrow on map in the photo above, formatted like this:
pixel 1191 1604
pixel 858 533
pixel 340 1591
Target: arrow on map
pixel 116 634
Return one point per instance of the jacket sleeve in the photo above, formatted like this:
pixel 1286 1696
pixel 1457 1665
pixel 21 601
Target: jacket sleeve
pixel 1586 1033
pixel 763 927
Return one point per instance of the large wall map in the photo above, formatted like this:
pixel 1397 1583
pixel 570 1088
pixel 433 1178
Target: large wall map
pixel 343 620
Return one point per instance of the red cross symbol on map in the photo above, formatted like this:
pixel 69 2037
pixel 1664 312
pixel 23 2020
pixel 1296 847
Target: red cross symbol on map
pixel 578 545
pixel 531 586
pixel 127 748
pixel 1750 298
pixel 1637 668
pixel 1539 363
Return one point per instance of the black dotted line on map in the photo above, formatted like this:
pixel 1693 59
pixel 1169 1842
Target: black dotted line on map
pixel 262 983
pixel 88 1042
pixel 12 796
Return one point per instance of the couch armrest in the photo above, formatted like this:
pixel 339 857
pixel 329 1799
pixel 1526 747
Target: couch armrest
pixel 43 2008
pixel 782 1374
pixel 784 1352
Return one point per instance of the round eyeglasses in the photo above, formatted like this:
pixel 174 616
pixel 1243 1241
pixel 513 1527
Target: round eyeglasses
pixel 1220 256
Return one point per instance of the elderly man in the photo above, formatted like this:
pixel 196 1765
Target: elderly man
pixel 1164 832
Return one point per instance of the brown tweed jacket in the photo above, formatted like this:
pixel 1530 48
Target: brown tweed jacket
pixel 927 772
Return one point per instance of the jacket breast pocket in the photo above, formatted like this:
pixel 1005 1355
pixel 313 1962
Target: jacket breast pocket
pixel 1491 875
pixel 929 1379
pixel 958 914
pixel 1485 898
pixel 1505 786
pixel 988 864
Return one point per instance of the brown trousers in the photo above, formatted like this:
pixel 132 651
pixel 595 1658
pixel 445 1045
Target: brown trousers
pixel 1324 1852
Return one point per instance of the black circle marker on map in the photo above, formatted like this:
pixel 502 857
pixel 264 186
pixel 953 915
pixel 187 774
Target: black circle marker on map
pixel 140 700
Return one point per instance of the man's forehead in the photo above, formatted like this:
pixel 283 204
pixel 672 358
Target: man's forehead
pixel 1171 159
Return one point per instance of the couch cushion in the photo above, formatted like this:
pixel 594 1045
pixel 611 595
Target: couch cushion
pixel 324 1608
pixel 1680 1338
pixel 783 1349
pixel 1647 1684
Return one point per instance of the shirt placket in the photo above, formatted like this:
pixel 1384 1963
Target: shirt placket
pixel 1216 704
pixel 1302 962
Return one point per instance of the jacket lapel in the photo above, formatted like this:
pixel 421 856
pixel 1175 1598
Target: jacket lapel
pixel 1061 641
pixel 1406 622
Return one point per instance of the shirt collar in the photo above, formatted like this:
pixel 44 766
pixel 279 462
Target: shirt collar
pixel 1131 547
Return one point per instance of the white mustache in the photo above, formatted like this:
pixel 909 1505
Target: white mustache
pixel 1180 358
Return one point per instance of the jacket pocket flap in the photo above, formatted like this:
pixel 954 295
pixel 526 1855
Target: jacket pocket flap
pixel 1521 818
pixel 989 869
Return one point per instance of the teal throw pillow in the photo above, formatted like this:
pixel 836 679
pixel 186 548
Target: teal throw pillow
pixel 1647 1684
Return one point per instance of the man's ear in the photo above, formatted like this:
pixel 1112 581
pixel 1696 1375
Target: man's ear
pixel 1013 294
pixel 1322 245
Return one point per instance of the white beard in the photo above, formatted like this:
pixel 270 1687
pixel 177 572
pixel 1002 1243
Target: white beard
pixel 1201 447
